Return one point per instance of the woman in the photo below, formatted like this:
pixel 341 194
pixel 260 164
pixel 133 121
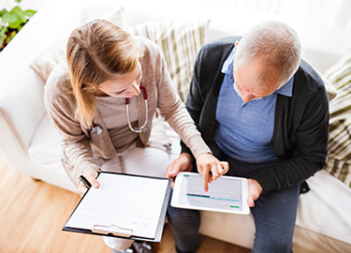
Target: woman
pixel 105 123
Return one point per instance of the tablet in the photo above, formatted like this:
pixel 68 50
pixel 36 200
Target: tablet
pixel 227 194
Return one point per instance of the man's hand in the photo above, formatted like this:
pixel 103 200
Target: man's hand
pixel 90 175
pixel 183 163
pixel 207 163
pixel 255 190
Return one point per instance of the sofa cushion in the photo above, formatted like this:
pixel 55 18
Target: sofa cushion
pixel 55 52
pixel 180 43
pixel 325 209
pixel 339 148
pixel 326 221
pixel 45 149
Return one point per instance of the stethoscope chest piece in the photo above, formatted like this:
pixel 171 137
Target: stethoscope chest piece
pixel 96 130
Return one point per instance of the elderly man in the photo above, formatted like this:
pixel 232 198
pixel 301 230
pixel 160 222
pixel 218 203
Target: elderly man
pixel 265 111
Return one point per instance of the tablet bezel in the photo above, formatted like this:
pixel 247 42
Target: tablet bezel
pixel 177 187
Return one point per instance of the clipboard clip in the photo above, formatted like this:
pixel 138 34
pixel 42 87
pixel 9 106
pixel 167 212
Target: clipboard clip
pixel 114 230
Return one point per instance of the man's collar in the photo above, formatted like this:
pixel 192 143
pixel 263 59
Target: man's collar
pixel 227 67
pixel 287 88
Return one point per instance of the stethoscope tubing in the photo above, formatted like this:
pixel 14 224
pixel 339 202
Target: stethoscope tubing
pixel 97 129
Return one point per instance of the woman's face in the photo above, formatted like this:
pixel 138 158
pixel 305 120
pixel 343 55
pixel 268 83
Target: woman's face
pixel 126 86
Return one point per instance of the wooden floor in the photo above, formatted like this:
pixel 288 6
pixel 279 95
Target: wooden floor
pixel 32 214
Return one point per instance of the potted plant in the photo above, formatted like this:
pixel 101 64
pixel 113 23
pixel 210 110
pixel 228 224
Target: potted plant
pixel 11 22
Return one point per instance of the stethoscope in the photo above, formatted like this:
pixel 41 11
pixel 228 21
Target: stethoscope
pixel 97 129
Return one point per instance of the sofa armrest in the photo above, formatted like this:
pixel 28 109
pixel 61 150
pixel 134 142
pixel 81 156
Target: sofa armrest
pixel 13 149
pixel 21 88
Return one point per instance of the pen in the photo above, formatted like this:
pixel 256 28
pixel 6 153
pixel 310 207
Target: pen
pixel 84 181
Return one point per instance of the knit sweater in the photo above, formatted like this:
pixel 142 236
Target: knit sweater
pixel 83 150
pixel 300 136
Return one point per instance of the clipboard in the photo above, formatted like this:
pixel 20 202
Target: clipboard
pixel 96 209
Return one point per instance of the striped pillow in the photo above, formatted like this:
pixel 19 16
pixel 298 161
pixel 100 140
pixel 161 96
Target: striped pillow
pixel 339 148
pixel 180 42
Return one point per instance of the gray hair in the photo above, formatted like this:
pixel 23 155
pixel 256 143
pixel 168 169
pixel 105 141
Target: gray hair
pixel 276 45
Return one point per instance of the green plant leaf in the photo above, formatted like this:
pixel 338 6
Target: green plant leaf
pixel 15 17
pixel 13 20
pixel 3 30
pixel 19 13
pixel 29 13
pixel 18 1
pixel 2 12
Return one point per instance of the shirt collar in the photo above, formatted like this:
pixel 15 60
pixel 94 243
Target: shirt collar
pixel 227 69
pixel 287 88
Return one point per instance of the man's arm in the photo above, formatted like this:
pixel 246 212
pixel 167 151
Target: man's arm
pixel 311 142
pixel 194 104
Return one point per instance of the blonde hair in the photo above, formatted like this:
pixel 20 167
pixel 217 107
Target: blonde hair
pixel 96 52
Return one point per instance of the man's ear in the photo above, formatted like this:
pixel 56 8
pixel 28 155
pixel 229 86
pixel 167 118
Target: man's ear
pixel 236 44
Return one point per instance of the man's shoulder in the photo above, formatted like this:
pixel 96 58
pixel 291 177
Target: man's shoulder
pixel 308 75
pixel 224 41
pixel 221 45
pixel 214 53
pixel 308 82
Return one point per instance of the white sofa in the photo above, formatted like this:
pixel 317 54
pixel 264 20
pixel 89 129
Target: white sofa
pixel 31 144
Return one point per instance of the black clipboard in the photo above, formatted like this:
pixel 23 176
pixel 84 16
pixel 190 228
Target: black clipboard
pixel 113 230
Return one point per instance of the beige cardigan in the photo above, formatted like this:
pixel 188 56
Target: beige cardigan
pixel 84 151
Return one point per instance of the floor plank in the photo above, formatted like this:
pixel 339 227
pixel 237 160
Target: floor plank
pixel 33 213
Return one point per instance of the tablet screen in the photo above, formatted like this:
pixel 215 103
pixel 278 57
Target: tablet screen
pixel 226 194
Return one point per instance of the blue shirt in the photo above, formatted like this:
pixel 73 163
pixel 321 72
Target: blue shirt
pixel 245 130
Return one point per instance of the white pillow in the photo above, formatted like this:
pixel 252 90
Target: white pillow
pixel 180 43
pixel 331 91
pixel 51 56
pixel 110 10
pixel 339 148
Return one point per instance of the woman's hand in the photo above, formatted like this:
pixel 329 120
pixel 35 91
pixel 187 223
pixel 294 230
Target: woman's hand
pixel 183 163
pixel 207 163
pixel 90 175
pixel 255 190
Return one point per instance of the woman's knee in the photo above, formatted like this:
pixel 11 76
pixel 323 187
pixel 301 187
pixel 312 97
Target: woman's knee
pixel 117 243
pixel 146 161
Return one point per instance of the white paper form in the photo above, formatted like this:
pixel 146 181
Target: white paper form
pixel 125 201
